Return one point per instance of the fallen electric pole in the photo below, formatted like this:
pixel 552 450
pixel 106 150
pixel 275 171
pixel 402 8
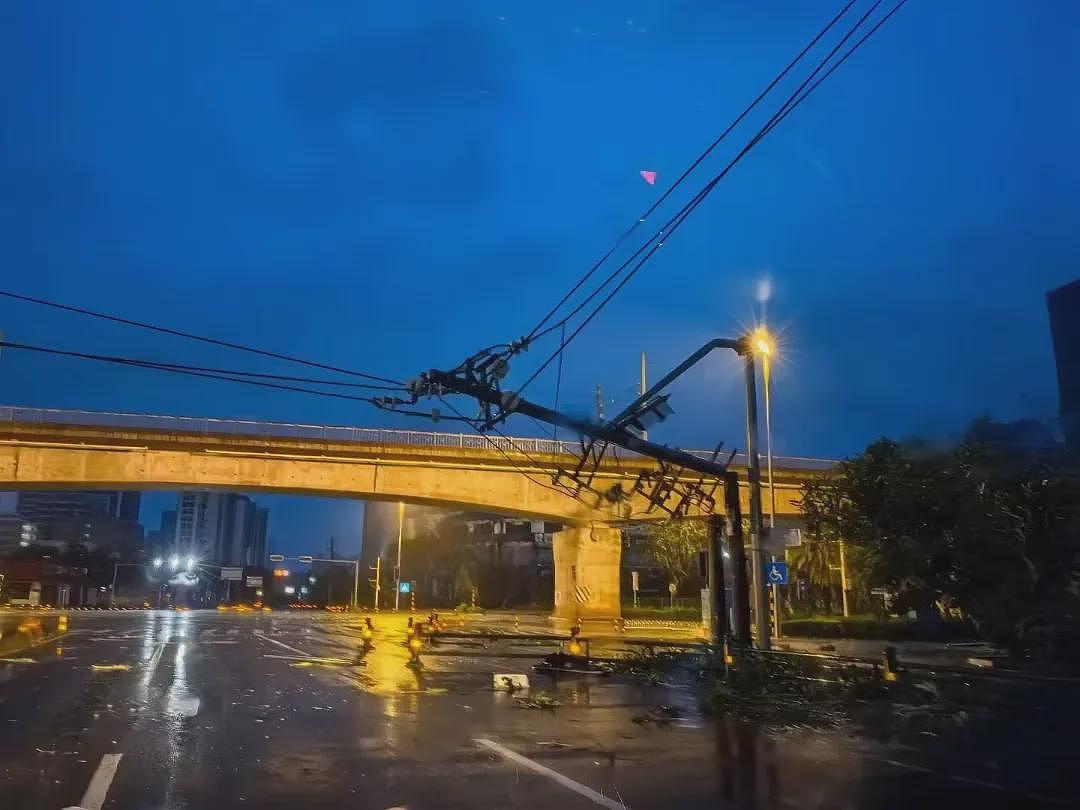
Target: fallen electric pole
pixel 479 378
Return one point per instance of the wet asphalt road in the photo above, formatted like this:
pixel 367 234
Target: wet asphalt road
pixel 267 710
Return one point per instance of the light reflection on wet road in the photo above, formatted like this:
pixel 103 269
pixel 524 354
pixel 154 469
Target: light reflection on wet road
pixel 283 710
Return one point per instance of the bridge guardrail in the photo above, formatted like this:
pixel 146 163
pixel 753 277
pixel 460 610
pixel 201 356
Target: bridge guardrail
pixel 291 430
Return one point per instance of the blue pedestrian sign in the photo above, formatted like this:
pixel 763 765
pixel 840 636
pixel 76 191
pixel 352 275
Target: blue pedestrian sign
pixel 776 573
pixel 404 587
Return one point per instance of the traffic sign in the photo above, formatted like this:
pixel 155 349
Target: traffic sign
pixel 254 582
pixel 233 574
pixel 776 573
pixel 304 558
pixel 405 587
pixel 277 558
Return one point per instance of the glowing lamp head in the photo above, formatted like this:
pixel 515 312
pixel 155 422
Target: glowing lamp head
pixel 762 342
pixel 174 563
pixel 157 562
pixel 190 563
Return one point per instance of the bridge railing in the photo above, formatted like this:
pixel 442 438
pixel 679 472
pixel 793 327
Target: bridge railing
pixel 337 433
pixel 290 430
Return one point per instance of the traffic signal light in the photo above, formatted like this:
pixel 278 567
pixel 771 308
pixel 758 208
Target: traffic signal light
pixel 277 558
pixel 304 558
pixel 281 572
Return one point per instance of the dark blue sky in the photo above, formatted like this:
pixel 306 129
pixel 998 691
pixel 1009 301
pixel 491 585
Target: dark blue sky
pixel 392 186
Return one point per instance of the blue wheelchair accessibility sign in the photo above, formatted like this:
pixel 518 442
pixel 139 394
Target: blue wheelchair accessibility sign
pixel 776 573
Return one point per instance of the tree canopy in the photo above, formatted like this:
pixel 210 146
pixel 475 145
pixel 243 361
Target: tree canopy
pixel 674 546
pixel 973 528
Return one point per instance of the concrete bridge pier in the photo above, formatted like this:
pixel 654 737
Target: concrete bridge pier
pixel 587 572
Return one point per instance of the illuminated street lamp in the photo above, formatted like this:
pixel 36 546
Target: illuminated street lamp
pixel 157 562
pixel 190 563
pixel 763 345
pixel 174 563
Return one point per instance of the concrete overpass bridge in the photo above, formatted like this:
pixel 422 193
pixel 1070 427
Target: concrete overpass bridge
pixel 58 449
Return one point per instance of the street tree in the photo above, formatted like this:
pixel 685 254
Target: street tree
pixel 976 530
pixel 674 545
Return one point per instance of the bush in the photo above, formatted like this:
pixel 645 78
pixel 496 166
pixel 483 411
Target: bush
pixel 879 629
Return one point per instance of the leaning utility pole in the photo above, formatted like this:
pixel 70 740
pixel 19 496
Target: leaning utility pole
pixel 480 377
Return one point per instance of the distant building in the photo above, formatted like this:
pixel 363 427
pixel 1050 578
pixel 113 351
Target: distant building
pixel 44 506
pixel 256 552
pixel 15 533
pixel 97 518
pixel 1064 307
pixel 159 542
pixel 123 537
pixel 222 528
pixel 448 552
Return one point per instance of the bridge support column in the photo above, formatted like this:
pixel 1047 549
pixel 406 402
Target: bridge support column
pixel 587 573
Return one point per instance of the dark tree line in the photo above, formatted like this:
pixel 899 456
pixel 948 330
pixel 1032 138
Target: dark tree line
pixel 978 530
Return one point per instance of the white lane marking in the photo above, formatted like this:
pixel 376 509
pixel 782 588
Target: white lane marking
pixel 283 644
pixel 155 659
pixel 98 789
pixel 555 776
pixel 318 660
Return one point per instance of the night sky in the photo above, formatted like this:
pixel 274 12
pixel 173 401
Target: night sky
pixel 391 186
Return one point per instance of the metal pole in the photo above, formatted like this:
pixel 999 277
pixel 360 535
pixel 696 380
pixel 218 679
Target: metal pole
pixel 740 591
pixel 112 591
pixel 599 405
pixel 642 388
pixel 776 605
pixel 356 585
pixel 757 564
pixel 765 372
pixel 397 573
pixel 718 626
pixel 843 580
pixel 378 571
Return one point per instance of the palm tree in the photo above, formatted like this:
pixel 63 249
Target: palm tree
pixel 817 562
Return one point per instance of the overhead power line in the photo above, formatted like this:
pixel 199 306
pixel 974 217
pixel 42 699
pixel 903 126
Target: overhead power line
pixel 651 246
pixel 163 365
pixel 689 170
pixel 554 488
pixel 192 336
pixel 172 368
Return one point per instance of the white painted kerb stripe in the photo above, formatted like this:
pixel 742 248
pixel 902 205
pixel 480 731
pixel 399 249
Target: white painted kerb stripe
pixel 288 647
pixel 555 776
pixel 95 794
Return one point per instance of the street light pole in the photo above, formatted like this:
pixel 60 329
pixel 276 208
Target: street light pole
pixel 397 571
pixel 753 463
pixel 766 367
pixel 356 584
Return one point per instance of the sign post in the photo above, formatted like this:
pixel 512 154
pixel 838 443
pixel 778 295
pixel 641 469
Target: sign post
pixel 634 583
pixel 777 574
